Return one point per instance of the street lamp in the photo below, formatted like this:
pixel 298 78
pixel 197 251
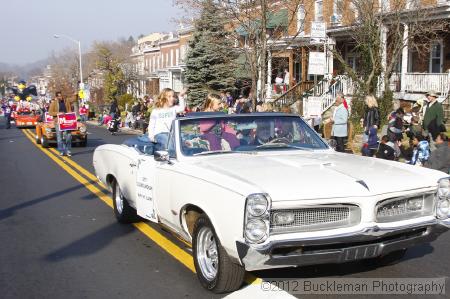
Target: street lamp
pixel 79 53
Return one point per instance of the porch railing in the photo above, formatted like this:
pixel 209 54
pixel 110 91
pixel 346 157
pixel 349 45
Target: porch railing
pixel 293 94
pixel 327 91
pixel 423 82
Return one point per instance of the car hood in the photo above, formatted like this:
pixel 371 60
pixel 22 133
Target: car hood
pixel 319 174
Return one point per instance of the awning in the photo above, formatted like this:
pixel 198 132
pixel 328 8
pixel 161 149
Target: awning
pixel 278 19
pixel 274 20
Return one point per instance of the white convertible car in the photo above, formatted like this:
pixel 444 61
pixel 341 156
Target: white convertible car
pixel 260 191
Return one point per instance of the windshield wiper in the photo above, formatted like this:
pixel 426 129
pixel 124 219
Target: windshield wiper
pixel 281 145
pixel 223 152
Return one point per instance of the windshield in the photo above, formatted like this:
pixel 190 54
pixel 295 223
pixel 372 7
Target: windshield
pixel 220 135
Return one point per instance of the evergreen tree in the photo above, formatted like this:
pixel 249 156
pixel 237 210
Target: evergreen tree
pixel 210 61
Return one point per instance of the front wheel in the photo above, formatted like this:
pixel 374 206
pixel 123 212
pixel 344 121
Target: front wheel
pixel 38 140
pixel 123 211
pixel 215 270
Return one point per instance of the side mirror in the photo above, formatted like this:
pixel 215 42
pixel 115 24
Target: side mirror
pixel 161 156
pixel 332 143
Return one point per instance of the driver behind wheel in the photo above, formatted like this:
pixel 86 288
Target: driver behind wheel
pixel 263 133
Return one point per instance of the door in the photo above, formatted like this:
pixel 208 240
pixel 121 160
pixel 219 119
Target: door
pixel 145 188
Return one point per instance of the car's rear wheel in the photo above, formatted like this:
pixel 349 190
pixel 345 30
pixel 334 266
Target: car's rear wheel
pixel 123 211
pixel 44 141
pixel 215 270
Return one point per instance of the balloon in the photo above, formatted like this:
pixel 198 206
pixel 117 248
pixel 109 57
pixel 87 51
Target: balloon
pixel 17 98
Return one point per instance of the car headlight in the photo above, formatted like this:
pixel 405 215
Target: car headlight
pixel 257 222
pixel 443 204
pixel 257 204
pixel 443 208
pixel 256 230
pixel 48 130
pixel 82 129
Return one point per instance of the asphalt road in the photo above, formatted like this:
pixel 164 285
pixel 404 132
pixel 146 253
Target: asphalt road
pixel 59 240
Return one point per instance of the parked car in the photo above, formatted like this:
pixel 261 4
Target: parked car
pixel 46 134
pixel 261 191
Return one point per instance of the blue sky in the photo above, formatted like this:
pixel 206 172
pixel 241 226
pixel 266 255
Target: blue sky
pixel 27 27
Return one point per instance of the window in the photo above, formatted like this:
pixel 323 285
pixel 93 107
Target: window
pixel 385 5
pixel 337 11
pixel 301 20
pixel 318 9
pixel 436 57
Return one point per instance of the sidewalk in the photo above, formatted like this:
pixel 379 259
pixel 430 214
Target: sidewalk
pixel 123 129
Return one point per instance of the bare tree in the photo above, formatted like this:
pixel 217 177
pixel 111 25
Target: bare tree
pixel 381 33
pixel 249 26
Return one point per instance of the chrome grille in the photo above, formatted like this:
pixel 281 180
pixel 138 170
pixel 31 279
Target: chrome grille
pixel 403 208
pixel 316 218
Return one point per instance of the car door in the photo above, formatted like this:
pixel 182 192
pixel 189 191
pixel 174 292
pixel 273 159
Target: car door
pixel 126 163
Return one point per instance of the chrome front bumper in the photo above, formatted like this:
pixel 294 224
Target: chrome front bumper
pixel 370 242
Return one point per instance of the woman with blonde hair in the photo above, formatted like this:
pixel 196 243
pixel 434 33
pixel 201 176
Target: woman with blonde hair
pixel 163 113
pixel 371 114
pixel 213 103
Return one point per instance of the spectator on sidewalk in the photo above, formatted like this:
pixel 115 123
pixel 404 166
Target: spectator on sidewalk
pixel 371 117
pixel 114 108
pixel 7 114
pixel 440 157
pixel 421 152
pixel 386 149
pixel 433 120
pixel 339 129
pixel 370 148
pixel 287 78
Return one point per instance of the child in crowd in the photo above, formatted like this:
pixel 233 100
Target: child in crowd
pixel 386 149
pixel 370 148
pixel 421 152
pixel 163 113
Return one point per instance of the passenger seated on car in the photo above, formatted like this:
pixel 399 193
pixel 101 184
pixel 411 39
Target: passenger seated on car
pixel 217 137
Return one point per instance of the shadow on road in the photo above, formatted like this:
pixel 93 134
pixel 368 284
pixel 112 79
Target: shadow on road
pixel 90 243
pixel 8 212
pixel 346 269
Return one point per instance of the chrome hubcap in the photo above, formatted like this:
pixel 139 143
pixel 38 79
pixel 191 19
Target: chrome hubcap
pixel 119 200
pixel 207 253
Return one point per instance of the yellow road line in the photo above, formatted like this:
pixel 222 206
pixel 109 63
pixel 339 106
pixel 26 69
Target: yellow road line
pixel 163 242
pixel 78 167
pixel 170 247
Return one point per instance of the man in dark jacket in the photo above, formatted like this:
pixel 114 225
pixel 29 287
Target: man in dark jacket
pixel 433 120
pixel 440 157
